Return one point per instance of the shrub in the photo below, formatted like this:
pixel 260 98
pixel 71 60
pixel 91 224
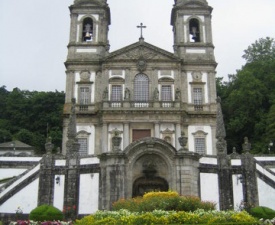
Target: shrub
pixel 262 212
pixel 163 201
pixel 45 213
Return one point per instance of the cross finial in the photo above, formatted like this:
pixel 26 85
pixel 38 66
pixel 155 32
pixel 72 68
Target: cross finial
pixel 141 27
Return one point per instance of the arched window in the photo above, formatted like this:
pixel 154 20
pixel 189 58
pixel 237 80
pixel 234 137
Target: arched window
pixel 141 88
pixel 194 30
pixel 87 29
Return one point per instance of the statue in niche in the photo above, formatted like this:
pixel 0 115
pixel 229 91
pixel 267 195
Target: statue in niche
pixel 177 94
pixel 127 94
pixel 156 94
pixel 105 94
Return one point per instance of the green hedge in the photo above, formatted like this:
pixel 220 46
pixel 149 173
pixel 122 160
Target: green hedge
pixel 163 201
pixel 262 212
pixel 46 213
pixel 125 217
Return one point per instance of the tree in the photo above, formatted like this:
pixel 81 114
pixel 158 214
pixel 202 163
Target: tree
pixel 262 49
pixel 248 98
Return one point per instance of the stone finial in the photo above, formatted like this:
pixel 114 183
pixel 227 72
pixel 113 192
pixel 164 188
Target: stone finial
pixel 246 145
pixel 72 144
pixel 221 144
pixel 49 146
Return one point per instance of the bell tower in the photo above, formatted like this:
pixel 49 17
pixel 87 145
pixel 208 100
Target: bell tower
pixel 191 21
pixel 90 20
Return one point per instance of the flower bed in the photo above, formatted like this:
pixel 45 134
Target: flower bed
pixel 125 217
pixel 31 222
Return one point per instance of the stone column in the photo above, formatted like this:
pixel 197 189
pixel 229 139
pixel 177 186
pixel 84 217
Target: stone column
pixel 126 135
pixel 250 187
pixel 113 178
pixel 157 130
pixel 178 134
pixel 104 137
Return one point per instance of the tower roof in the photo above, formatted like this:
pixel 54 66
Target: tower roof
pixel 83 2
pixel 183 2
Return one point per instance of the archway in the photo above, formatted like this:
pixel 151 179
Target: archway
pixel 145 184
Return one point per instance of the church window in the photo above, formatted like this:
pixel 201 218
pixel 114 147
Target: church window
pixel 87 29
pixel 166 95
pixel 141 89
pixel 116 95
pixel 83 149
pixel 200 145
pixel 194 30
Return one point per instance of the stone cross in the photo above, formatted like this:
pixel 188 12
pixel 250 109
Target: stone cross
pixel 141 27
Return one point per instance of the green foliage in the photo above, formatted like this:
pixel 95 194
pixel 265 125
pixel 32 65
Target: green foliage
pixel 31 116
pixel 262 212
pixel 248 97
pixel 163 201
pixel 262 49
pixel 124 217
pixel 45 213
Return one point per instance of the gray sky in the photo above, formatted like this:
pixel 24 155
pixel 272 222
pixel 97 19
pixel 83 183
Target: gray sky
pixel 34 35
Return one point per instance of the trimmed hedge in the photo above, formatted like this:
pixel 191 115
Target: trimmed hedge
pixel 163 201
pixel 262 212
pixel 46 213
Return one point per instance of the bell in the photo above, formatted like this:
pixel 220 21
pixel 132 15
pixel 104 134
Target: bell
pixel 194 31
pixel 87 35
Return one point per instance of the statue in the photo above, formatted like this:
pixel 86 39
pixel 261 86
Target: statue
pixel 246 145
pixel 127 94
pixel 177 95
pixel 156 94
pixel 105 94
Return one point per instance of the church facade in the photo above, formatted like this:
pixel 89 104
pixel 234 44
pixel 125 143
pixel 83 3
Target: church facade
pixel 140 119
pixel 143 97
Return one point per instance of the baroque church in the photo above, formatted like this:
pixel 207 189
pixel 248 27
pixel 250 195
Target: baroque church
pixel 139 119
pixel 132 105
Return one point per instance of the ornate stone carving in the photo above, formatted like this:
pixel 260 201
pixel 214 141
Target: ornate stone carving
pixel 85 76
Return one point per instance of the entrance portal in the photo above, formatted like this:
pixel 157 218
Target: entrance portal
pixel 144 184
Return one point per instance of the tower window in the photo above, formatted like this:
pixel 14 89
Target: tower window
pixel 84 95
pixel 87 30
pixel 194 30
pixel 197 96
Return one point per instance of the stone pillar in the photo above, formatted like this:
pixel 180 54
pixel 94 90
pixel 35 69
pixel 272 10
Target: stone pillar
pixel 178 134
pixel 157 130
pixel 46 176
pixel 113 178
pixel 104 137
pixel 250 187
pixel 187 172
pixel 126 135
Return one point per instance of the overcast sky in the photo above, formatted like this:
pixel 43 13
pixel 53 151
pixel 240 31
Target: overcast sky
pixel 34 35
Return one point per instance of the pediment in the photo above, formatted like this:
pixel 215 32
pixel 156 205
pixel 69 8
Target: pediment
pixel 142 50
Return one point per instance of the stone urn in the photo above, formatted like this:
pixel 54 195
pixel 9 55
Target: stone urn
pixel 116 141
pixel 183 141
